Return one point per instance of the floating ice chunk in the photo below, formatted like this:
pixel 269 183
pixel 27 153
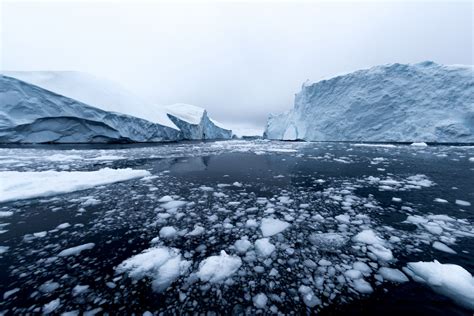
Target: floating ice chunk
pixel 440 200
pixel 308 296
pixel 450 280
pixel 79 289
pixel 5 213
pixel 217 268
pixel 420 144
pixel 165 199
pixel 198 230
pixel 353 274
pixel 49 287
pixel 16 185
pixel 272 226
pixel 463 203
pixel 362 286
pixel 393 275
pixel 395 199
pixel 368 236
pixel 324 262
pixel 168 232
pixel 362 267
pixel 381 252
pixel 343 218
pixel 251 223
pixel 329 242
pixel 73 251
pixel 63 226
pixel 442 247
pixel 264 247
pixel 51 306
pixel 242 245
pixel 164 265
pixel 40 234
pixel 173 204
pixel 260 300
pixel 3 249
pixel 9 293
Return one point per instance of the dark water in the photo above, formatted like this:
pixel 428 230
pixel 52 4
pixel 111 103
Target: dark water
pixel 124 220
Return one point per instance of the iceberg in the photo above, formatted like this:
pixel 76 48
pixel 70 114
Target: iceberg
pixel 424 102
pixel 195 124
pixel 31 114
pixel 450 280
pixel 76 107
pixel 94 91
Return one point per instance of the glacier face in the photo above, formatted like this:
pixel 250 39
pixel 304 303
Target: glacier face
pixel 424 102
pixel 195 124
pixel 94 91
pixel 31 114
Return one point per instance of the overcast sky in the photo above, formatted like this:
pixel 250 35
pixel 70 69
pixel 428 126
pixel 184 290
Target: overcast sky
pixel 240 60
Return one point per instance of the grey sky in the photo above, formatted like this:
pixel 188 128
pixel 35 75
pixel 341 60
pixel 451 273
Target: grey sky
pixel 239 60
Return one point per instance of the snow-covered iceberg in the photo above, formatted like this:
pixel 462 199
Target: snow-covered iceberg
pixel 424 102
pixel 195 124
pixel 31 114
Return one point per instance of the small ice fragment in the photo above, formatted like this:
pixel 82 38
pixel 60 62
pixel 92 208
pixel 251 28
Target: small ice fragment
pixel 442 247
pixel 76 250
pixel 272 226
pixel 264 247
pixel 463 203
pixel 242 245
pixel 51 306
pixel 393 275
pixel 362 286
pixel 260 300
pixel 168 232
pixel 165 199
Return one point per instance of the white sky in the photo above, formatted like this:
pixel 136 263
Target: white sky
pixel 239 60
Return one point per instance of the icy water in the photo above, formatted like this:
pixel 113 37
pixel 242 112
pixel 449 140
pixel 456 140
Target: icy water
pixel 322 194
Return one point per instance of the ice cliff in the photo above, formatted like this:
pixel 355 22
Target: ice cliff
pixel 424 102
pixel 195 124
pixel 30 114
pixel 76 107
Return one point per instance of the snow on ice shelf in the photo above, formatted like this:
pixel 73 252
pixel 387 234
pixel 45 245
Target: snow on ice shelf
pixel 15 185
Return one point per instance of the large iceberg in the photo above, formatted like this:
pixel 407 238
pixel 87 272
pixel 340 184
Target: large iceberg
pixel 98 92
pixel 194 122
pixel 424 102
pixel 76 107
pixel 31 114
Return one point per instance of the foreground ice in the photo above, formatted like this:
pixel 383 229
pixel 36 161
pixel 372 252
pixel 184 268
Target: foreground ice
pixel 16 185
pixel 162 264
pixel 448 279
pixel 423 102
pixel 272 226
pixel 218 268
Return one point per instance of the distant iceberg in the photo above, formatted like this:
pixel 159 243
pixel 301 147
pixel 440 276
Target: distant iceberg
pixel 424 102
pixel 195 124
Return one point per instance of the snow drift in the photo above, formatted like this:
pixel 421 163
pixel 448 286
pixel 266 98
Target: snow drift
pixel 31 114
pixel 424 102
pixel 195 124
